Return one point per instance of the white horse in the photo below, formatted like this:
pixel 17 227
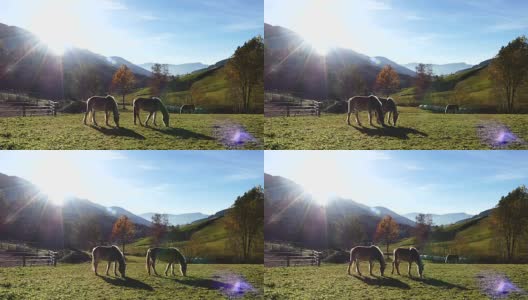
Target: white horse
pixel 109 254
pixel 370 253
pixel 106 104
pixel 170 255
pixel 409 255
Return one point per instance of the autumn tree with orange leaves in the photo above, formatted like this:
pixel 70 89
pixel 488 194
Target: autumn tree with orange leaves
pixel 123 81
pixel 123 231
pixel 387 81
pixel 387 231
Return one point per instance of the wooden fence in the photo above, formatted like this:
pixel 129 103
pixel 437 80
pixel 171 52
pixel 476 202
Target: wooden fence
pixel 21 105
pixel 13 254
pixel 276 105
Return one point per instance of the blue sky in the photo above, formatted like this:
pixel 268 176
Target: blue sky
pixel 164 31
pixel 406 181
pixel 406 30
pixel 141 181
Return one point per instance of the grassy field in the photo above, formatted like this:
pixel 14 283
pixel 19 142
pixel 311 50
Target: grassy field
pixel 79 282
pixel 440 281
pixel 188 131
pixel 417 129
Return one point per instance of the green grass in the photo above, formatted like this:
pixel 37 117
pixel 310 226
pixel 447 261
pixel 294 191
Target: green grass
pixel 203 281
pixel 187 131
pixel 417 129
pixel 441 281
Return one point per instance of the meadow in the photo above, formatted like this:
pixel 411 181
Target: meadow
pixel 417 129
pixel 441 281
pixel 69 281
pixel 187 131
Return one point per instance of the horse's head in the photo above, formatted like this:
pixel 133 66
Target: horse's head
pixel 183 268
pixel 122 268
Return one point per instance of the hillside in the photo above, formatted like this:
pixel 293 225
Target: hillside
pixel 293 66
pixel 292 215
pixel 442 69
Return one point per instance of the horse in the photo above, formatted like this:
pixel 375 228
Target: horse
pixel 170 255
pixel 388 105
pixel 102 103
pixel 369 103
pixel 369 253
pixel 451 108
pixel 409 255
pixel 187 107
pixel 451 258
pixel 110 254
pixel 151 105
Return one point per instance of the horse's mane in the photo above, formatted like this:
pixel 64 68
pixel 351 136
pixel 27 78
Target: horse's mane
pixel 414 250
pixel 181 258
pixel 381 258
pixel 121 256
pixel 163 108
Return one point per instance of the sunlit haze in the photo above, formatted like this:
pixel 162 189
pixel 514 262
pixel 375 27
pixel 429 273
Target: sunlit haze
pixel 405 181
pixel 405 31
pixel 165 31
pixel 141 181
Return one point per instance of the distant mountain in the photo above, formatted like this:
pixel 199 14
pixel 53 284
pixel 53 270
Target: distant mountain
pixel 27 64
pixel 118 211
pixel 293 66
pixel 293 215
pixel 179 219
pixel 119 61
pixel 442 69
pixel 178 69
pixel 442 219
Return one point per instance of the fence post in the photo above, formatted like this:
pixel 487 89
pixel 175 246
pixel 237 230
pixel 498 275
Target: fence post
pixel 287 110
pixel 23 110
pixel 287 261
pixel 23 260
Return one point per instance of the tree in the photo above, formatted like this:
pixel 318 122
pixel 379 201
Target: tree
pixel 245 221
pixel 424 78
pixel 159 227
pixel 160 78
pixel 387 231
pixel 460 95
pixel 351 233
pixel 510 219
pixel 87 82
pixel 509 70
pixel 422 231
pixel 89 232
pixel 123 231
pixel 349 83
pixel 123 81
pixel 387 81
pixel 245 70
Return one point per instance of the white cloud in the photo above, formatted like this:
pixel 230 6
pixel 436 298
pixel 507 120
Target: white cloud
pixel 378 5
pixel 243 26
pixel 414 18
pixel 113 5
pixel 149 17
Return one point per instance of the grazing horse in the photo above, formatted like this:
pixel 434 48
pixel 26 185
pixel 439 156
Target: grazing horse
pixel 361 103
pixel 170 255
pixel 388 105
pixel 451 259
pixel 109 254
pixel 451 108
pixel 107 104
pixel 151 105
pixel 369 253
pixel 409 255
pixel 187 108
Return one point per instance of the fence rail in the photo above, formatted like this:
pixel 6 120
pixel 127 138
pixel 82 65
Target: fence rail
pixel 23 105
pixel 285 105
pixel 14 254
pixel 290 259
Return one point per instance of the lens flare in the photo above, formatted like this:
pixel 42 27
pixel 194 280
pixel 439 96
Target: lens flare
pixel 497 135
pixel 496 285
pixel 234 286
pixel 233 135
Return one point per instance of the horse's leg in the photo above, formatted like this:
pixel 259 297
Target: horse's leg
pixel 106 118
pixel 348 118
pixel 148 118
pixel 154 267
pixel 93 118
pixel 398 267
pixel 155 119
pixel 167 268
pixel 357 118
pixel 370 268
pixel 349 265
pixel 410 264
pixel 357 267
pixel 115 268
pixel 392 272
pixel 370 118
pixel 108 267
pixel 85 115
pixel 94 263
pixel 172 269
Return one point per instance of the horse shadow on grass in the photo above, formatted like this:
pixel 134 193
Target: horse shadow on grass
pixel 439 283
pixel 182 133
pixel 397 132
pixel 119 131
pixel 383 281
pixel 127 282
pixel 203 283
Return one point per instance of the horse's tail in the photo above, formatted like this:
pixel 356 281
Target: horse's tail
pixel 351 260
pixel 147 260
pixel 93 259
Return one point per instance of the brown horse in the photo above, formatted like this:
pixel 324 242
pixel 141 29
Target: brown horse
pixel 106 104
pixel 370 253
pixel 109 254
pixel 187 108
pixel 409 255
pixel 151 105
pixel 365 103
pixel 170 255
